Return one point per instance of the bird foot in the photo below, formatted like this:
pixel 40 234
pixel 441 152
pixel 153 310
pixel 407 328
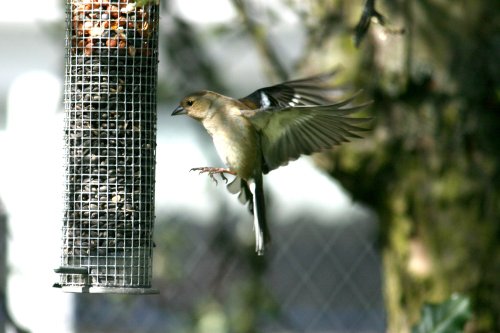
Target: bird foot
pixel 212 171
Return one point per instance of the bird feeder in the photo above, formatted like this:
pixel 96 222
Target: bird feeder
pixel 110 142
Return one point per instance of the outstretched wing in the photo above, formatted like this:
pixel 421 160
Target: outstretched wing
pixel 287 133
pixel 314 90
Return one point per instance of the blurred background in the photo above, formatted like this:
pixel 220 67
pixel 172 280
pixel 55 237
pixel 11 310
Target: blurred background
pixel 363 235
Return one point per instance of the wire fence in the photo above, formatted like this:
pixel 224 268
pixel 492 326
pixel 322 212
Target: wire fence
pixel 315 278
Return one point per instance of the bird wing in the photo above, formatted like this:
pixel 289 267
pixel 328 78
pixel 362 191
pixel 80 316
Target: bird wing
pixel 286 133
pixel 313 90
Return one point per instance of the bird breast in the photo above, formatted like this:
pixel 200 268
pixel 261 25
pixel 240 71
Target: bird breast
pixel 236 143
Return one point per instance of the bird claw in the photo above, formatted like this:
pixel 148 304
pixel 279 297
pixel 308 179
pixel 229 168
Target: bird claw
pixel 212 171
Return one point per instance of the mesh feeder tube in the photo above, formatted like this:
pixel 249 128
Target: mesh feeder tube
pixel 110 142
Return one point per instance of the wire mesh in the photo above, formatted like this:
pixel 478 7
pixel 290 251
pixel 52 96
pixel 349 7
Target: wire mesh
pixel 110 141
pixel 315 278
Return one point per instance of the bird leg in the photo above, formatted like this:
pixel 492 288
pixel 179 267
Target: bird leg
pixel 211 171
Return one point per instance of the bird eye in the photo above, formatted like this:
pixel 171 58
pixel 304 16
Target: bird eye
pixel 190 102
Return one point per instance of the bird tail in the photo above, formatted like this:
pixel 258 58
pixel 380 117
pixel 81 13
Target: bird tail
pixel 256 205
pixel 262 234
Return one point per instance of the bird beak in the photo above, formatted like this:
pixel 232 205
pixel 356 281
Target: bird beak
pixel 179 110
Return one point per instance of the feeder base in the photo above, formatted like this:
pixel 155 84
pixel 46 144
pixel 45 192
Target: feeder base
pixel 108 290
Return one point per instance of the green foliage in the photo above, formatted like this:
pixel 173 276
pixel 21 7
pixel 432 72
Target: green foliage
pixel 449 316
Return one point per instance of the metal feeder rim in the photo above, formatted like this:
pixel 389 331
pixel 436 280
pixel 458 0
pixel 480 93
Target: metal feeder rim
pixel 108 290
pixel 72 270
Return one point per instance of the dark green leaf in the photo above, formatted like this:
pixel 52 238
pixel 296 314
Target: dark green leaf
pixel 447 317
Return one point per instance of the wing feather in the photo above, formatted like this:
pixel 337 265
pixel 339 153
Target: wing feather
pixel 314 90
pixel 290 132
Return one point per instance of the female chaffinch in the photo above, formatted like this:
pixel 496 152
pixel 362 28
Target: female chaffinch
pixel 267 129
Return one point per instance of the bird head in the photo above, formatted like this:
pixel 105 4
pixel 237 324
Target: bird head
pixel 196 105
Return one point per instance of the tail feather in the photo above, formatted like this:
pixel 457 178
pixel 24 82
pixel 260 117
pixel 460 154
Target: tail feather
pixel 262 234
pixel 256 205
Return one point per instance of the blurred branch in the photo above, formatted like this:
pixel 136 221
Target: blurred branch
pixel 264 45
pixel 363 25
pixel 190 68
pixel 369 13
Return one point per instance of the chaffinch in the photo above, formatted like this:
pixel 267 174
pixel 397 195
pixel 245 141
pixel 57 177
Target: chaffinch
pixel 267 129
